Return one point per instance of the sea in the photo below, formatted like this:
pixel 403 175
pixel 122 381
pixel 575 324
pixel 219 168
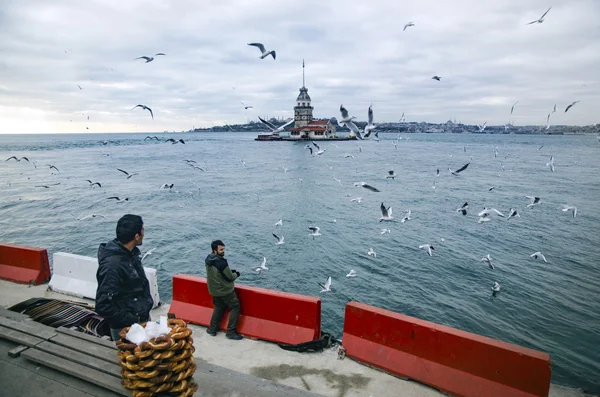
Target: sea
pixel 243 187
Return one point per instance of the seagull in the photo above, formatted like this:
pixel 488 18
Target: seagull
pixel 464 167
pixel 566 208
pixel 570 106
pixel 351 274
pixel 482 127
pixel 119 200
pixel 48 186
pixel 390 175
pixel 463 209
pixel 246 107
pixel 127 173
pixel 327 286
pixel 407 216
pixel 338 181
pixel 488 260
pixel 149 59
pixel 167 185
pixel 369 187
pixel 348 155
pixel 79 87
pixel 51 166
pixel 262 265
pixel 541 18
pixel 427 247
pixel 264 53
pixel 372 253
pixel 554 110
pixel 279 223
pixel 487 211
pixel 484 218
pixel 353 128
pixel 538 255
pixel 345 116
pixel 356 199
pixel 15 157
pixel 370 126
pixel 196 167
pixel 551 163
pixel 94 183
pixel 437 173
pixel 151 137
pixel 513 107
pixel 386 213
pixel 408 25
pixel 438 78
pixel 534 201
pixel 174 141
pixel 145 108
pixel 91 216
pixel 147 253
pixel 513 214
pixel 384 231
pixel 491 188
pixel 496 287
pixel 243 162
pixel 314 231
pixel 273 128
pixel 279 239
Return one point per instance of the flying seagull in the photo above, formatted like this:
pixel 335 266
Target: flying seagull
pixel 488 260
pixel 147 253
pixel 279 223
pixel 566 208
pixel 52 166
pixel 167 186
pixel 48 186
pixel 366 186
pixel 570 106
pixel 551 163
pixel 427 247
pixel 263 265
pixel 438 78
pixel 91 216
pixel 370 126
pixel 345 117
pixel 496 287
pixel 538 255
pixel 246 107
pixel 15 157
pixel 534 201
pixel 386 213
pixel 327 286
pixel 314 231
pixel 463 209
pixel 174 141
pixel 390 175
pixel 150 137
pixel 487 211
pixel 541 18
pixel 149 59
pixel 119 200
pixel 145 108
pixel 351 274
pixel 408 25
pixel 127 173
pixel 274 129
pixel 279 239
pixel 79 87
pixel 94 183
pixel 513 214
pixel 407 216
pixel 264 53
pixel 464 167
pixel 513 107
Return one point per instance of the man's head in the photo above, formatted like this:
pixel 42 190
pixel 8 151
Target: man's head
pixel 218 247
pixel 130 230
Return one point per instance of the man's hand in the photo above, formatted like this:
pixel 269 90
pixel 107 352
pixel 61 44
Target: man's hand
pixel 236 272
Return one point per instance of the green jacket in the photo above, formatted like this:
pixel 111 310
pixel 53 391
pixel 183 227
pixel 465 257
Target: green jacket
pixel 219 276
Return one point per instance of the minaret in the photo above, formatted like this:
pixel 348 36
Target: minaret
pixel 303 110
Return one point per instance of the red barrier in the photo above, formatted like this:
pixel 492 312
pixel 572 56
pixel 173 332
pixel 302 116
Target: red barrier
pixel 265 314
pixel 454 361
pixel 24 264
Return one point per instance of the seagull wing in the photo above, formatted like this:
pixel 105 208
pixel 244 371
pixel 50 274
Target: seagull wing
pixel 545 13
pixel 277 237
pixel 464 167
pixel 268 124
pixel 114 197
pixel 343 111
pixel 352 127
pixel 371 188
pixel 370 114
pixel 146 58
pixel 498 212
pixel 287 123
pixel 384 211
pixel 328 283
pixel 317 146
pixel 150 110
pixel 259 45
pixel 159 53
pixel 123 171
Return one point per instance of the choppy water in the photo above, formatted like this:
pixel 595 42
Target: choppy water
pixel 552 307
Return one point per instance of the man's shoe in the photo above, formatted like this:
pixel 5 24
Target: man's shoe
pixel 235 336
pixel 211 332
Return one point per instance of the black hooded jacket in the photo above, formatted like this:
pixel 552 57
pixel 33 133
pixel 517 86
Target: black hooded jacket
pixel 123 295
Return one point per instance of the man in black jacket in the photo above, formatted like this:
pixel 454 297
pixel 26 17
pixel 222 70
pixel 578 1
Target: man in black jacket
pixel 123 297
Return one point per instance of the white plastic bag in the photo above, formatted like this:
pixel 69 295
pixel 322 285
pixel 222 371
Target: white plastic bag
pixel 136 334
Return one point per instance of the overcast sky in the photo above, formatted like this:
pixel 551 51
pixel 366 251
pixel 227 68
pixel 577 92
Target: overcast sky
pixel 356 53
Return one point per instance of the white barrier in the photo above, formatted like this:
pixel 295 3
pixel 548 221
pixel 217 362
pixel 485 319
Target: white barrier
pixel 75 275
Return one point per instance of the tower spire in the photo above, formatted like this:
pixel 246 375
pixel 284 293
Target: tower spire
pixel 303 73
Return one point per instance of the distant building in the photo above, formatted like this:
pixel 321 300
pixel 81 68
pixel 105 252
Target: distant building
pixel 304 125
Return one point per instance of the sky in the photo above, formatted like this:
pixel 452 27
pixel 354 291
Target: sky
pixel 356 54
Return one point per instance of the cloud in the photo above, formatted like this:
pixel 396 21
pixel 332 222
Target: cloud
pixel 356 54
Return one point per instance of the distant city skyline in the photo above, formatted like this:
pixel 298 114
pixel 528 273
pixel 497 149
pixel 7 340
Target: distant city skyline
pixel 65 61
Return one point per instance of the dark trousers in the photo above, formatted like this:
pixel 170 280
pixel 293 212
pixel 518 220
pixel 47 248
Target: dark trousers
pixel 221 303
pixel 114 332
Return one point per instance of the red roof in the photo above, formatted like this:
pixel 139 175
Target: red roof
pixel 309 128
pixel 319 122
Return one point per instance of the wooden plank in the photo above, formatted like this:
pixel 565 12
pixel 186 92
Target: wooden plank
pixel 86 337
pixel 13 315
pixel 77 370
pixel 30 327
pixel 19 337
pixel 89 348
pixel 81 358
pixel 16 351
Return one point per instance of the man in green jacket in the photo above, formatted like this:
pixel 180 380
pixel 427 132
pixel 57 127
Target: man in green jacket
pixel 220 285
